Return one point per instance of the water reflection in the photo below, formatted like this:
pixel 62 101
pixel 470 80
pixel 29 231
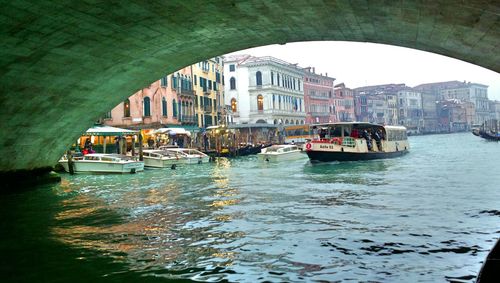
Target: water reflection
pixel 243 221
pixel 354 172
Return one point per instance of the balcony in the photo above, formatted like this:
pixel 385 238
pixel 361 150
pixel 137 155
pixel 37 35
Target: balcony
pixel 319 97
pixel 271 112
pixel 207 109
pixel 187 119
pixel 320 114
pixel 186 93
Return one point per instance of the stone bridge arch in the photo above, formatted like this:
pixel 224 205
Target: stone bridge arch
pixel 63 64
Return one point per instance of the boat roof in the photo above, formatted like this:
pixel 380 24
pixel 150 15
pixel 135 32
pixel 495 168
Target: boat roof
pixel 359 124
pixel 109 131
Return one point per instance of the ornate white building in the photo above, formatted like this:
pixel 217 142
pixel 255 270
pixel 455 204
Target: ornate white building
pixel 264 90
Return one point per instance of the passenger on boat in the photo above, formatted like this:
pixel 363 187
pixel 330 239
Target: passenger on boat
pixel 366 135
pixel 322 133
pixel 354 133
pixel 378 139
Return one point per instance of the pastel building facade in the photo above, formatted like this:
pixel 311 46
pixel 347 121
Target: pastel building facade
pixel 208 86
pixel 344 103
pixel 410 109
pixel 319 97
pixel 264 90
pixel 163 103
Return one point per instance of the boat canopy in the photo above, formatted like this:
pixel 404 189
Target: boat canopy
pixel 109 131
pixel 173 131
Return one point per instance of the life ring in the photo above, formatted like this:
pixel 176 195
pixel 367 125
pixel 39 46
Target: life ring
pixel 308 146
pixel 337 141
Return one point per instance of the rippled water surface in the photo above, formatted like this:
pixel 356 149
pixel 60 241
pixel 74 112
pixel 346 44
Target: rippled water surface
pixel 430 216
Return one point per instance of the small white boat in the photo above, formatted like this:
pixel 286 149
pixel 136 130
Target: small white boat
pixel 188 155
pixel 103 163
pixel 161 158
pixel 280 152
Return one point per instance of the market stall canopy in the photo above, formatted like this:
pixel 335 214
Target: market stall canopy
pixel 173 131
pixel 109 131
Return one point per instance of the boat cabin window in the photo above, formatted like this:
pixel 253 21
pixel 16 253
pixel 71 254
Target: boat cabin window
pixel 92 157
pixel 396 135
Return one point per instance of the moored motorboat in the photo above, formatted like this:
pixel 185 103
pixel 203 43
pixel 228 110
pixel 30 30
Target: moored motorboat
pixel 280 152
pixel 102 163
pixel 350 141
pixel 188 155
pixel 161 158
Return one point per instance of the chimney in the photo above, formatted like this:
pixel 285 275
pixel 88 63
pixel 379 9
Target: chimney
pixel 326 74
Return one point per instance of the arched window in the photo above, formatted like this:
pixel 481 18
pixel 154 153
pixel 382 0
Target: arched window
pixel 164 106
pixel 278 79
pixel 126 108
pixel 234 105
pixel 272 78
pixel 258 78
pixel 232 83
pixel 260 102
pixel 174 108
pixel 147 107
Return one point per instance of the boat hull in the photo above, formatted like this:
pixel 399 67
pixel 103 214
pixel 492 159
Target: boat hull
pixel 196 160
pixel 280 157
pixel 328 156
pixel 161 163
pixel 103 167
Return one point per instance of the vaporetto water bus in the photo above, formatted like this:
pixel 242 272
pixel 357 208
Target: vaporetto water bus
pixel 350 141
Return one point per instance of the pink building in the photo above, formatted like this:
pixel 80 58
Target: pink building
pixel 344 103
pixel 166 102
pixel 318 97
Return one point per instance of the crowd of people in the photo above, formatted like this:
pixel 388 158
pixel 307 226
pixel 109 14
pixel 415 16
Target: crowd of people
pixel 371 135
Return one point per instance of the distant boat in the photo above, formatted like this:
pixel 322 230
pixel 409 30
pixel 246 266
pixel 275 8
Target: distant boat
pixel 350 141
pixel 103 163
pixel 492 136
pixel 488 130
pixel 280 152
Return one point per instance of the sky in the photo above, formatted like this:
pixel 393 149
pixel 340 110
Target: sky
pixel 362 64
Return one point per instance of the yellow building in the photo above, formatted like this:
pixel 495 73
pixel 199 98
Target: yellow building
pixel 209 90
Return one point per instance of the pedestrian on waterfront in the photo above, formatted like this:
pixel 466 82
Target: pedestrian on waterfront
pixel 88 144
pixel 151 142
pixel 205 141
pixel 117 144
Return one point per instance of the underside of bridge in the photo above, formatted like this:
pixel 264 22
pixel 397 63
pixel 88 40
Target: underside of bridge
pixel 66 63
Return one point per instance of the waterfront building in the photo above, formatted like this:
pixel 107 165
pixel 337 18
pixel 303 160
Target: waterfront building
pixel 163 103
pixel 319 98
pixel 361 106
pixel 431 96
pixel 378 103
pixel 410 109
pixel 208 86
pixel 455 115
pixel 495 110
pixel 264 90
pixel 344 103
pixel 472 92
pixel 377 108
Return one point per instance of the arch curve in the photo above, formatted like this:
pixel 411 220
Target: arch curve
pixel 92 77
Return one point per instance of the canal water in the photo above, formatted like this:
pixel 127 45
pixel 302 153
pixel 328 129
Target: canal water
pixel 430 216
